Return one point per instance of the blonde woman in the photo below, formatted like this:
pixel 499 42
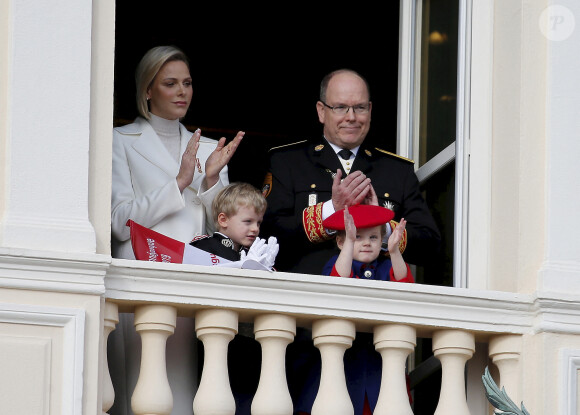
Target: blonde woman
pixel 164 178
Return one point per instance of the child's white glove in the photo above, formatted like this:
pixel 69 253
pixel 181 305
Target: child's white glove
pixel 262 252
pixel 272 251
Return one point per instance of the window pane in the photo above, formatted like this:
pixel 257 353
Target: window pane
pixel 438 77
pixel 439 192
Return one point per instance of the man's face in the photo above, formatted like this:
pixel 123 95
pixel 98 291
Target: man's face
pixel 348 130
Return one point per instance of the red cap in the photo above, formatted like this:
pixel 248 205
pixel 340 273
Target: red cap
pixel 365 216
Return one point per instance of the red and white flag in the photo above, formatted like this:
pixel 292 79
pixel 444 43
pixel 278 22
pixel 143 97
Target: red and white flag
pixel 149 245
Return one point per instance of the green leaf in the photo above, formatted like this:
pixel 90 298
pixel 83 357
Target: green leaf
pixel 499 399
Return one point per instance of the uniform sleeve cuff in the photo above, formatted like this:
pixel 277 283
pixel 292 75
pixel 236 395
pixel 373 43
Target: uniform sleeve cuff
pixel 312 222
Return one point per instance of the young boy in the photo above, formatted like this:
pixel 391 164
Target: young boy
pixel 361 231
pixel 238 210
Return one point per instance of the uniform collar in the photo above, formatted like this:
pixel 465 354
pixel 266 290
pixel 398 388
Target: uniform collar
pixel 227 241
pixel 337 148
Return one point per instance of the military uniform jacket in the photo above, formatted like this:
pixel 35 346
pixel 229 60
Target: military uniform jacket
pixel 217 244
pixel 300 179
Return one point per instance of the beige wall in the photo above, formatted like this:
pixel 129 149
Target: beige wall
pixel 4 118
pixel 546 360
pixel 518 147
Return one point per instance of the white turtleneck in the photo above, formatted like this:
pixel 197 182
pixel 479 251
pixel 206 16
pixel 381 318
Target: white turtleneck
pixel 168 133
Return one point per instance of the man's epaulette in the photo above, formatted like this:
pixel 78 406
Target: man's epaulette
pixel 287 145
pixel 395 155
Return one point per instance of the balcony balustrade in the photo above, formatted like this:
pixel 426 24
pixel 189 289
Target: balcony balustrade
pixel 334 309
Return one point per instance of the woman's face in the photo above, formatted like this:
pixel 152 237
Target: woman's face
pixel 170 93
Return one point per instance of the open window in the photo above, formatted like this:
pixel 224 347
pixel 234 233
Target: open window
pixel 262 75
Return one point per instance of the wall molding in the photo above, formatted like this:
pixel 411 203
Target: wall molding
pixel 569 368
pixel 72 322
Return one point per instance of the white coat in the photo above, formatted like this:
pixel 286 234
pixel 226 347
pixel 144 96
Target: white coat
pixel 145 189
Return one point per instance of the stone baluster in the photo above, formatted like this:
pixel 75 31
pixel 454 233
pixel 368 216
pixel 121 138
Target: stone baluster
pixel 215 328
pixel 111 319
pixel 394 342
pixel 274 332
pixel 152 395
pixel 505 353
pixel 453 348
pixel 332 337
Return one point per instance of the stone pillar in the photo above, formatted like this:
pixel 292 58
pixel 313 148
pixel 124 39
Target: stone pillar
pixel 333 337
pixel 274 332
pixel 215 328
pixel 111 320
pixel 44 170
pixel 453 348
pixel 394 342
pixel 505 353
pixel 152 395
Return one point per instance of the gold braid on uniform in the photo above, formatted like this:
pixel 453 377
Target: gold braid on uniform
pixel 312 222
pixel 403 243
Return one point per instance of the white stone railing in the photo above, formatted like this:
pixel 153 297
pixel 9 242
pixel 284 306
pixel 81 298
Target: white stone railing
pixel 334 308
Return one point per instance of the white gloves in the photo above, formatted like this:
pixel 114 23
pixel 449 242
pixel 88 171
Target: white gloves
pixel 261 256
pixel 262 252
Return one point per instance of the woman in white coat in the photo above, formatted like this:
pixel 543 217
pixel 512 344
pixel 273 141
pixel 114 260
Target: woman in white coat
pixel 164 178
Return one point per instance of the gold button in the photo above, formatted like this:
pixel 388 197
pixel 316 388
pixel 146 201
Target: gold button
pixel 387 195
pixel 348 163
pixel 312 186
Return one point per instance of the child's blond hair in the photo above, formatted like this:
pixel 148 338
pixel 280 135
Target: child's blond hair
pixel 236 195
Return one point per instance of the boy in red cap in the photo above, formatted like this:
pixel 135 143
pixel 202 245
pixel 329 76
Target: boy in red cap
pixel 361 231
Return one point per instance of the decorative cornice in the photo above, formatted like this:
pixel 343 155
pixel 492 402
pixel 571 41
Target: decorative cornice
pixel 557 312
pixel 53 271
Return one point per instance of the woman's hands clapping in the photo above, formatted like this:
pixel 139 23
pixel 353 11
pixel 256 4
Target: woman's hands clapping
pixel 188 162
pixel 217 160
pixel 221 156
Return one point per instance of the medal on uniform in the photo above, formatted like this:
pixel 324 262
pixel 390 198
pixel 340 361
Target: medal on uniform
pixel 312 199
pixel 332 173
pixel 368 273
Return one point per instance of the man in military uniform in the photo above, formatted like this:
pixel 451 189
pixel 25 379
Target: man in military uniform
pixel 310 180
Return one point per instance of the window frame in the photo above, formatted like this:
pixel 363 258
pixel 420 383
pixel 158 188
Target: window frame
pixel 471 149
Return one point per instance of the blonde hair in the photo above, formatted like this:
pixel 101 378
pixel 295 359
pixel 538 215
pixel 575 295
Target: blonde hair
pixel 236 195
pixel 149 67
